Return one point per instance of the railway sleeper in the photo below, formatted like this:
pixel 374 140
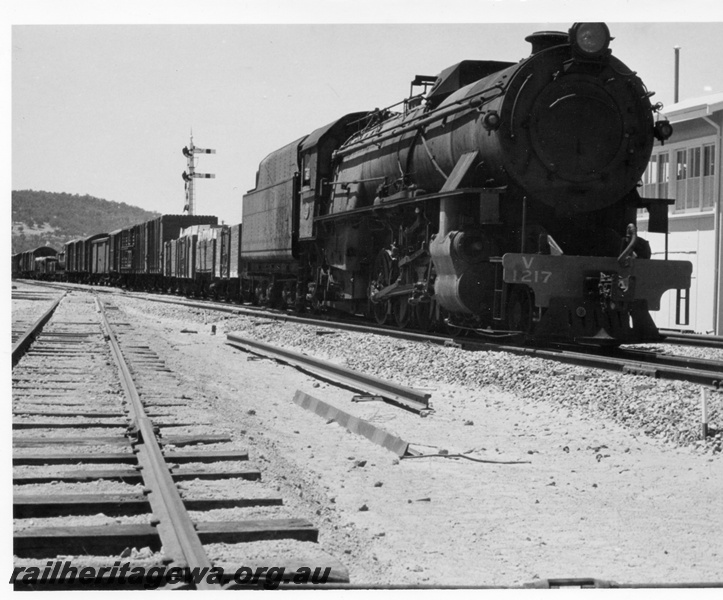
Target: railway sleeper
pixel 117 505
pixel 133 476
pixel 43 542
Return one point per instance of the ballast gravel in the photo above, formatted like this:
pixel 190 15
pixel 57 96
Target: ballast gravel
pixel 604 476
pixel 590 488
pixel 664 410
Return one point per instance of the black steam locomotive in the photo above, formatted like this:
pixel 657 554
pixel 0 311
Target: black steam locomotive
pixel 501 198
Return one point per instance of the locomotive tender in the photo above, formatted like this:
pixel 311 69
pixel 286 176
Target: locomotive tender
pixel 501 198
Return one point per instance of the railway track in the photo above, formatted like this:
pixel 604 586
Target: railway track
pixel 637 362
pixel 90 393
pixel 704 372
pixel 692 339
pixel 178 320
pixel 408 398
pixel 37 307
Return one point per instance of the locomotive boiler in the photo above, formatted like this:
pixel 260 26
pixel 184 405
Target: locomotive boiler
pixel 502 198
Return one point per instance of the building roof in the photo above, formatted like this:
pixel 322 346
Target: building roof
pixel 694 108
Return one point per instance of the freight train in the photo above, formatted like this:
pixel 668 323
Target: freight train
pixel 498 197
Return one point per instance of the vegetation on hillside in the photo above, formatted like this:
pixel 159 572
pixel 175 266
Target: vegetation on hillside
pixel 50 218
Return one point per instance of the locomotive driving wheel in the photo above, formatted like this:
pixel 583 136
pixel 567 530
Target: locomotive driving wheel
pixel 519 309
pixel 380 277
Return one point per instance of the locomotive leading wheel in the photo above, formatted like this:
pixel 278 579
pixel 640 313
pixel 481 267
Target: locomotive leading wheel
pixel 519 309
pixel 380 277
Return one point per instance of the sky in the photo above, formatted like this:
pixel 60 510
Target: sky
pixel 104 108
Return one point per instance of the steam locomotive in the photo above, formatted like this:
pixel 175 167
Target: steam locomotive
pixel 499 197
pixel 502 197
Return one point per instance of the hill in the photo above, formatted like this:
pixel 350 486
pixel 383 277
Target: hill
pixel 50 218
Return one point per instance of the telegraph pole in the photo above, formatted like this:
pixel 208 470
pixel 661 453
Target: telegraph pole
pixel 188 177
pixel 676 84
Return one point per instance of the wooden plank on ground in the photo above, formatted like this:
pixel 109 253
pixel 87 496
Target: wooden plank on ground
pixel 48 542
pixel 206 457
pixel 132 476
pixel 172 440
pixel 189 440
pixel 59 413
pixel 231 532
pixel 44 542
pixel 125 475
pixel 190 474
pixel 35 442
pixel 59 505
pixel 69 425
pixel 352 423
pixel 74 458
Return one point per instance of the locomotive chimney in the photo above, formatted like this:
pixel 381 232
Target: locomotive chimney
pixel 542 40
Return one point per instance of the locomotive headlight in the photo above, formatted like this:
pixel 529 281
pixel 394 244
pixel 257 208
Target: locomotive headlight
pixel 590 40
pixel 662 130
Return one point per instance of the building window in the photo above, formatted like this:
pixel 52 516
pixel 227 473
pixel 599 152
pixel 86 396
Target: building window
pixel 693 183
pixel 663 175
pixel 648 180
pixel 656 176
pixel 694 178
pixel 708 185
pixel 692 193
pixel 681 173
pixel 655 179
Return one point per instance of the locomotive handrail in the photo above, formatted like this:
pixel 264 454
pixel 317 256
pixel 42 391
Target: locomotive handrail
pixel 408 200
pixel 463 104
pixel 514 105
pixel 343 183
pixel 380 111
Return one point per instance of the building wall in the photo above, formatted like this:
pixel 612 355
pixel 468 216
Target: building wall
pixel 687 170
pixel 691 239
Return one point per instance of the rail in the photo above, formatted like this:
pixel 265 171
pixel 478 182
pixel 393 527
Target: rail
pixel 692 339
pixel 407 397
pixel 644 363
pixel 21 346
pixel 702 372
pixel 178 534
pixel 707 373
